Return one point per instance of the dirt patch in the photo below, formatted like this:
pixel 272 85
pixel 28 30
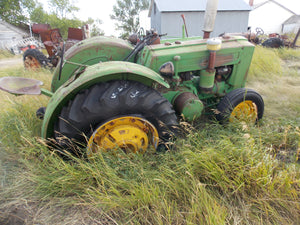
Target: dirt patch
pixel 14 216
pixel 9 213
pixel 5 63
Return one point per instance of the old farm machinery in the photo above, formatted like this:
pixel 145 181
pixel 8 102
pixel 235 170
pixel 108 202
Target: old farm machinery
pixel 54 44
pixel 109 93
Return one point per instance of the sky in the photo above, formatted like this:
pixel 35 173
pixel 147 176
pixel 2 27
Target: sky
pixel 97 9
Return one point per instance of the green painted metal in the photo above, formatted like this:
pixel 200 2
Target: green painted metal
pixel 192 109
pixel 89 52
pixel 194 54
pixel 207 79
pixel 46 92
pixel 101 72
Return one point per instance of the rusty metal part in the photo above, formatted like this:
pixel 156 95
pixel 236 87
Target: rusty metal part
pixel 31 63
pixel 133 39
pixel 75 34
pixel 51 36
pixel 206 34
pixel 155 40
pixel 20 85
pixel 212 60
pixel 38 28
pixel 183 18
pixel 220 60
pixel 293 45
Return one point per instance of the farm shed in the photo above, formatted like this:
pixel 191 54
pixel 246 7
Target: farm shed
pixel 10 34
pixel 275 16
pixel 165 15
pixel 291 25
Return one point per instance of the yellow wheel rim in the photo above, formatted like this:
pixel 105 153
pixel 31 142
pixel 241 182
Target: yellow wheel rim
pixel 245 111
pixel 131 134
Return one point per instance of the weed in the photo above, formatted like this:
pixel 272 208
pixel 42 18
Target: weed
pixel 232 174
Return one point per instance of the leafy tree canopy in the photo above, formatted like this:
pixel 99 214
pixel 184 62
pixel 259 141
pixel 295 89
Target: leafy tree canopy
pixel 63 8
pixel 16 11
pixel 126 12
pixel 60 15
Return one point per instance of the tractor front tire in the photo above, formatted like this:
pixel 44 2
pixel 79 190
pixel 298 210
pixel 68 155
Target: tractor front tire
pixel 34 59
pixel 240 105
pixel 117 110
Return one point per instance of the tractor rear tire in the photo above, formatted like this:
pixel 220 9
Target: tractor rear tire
pixel 273 43
pixel 103 102
pixel 34 59
pixel 240 105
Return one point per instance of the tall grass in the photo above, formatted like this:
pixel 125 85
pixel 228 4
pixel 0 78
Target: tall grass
pixel 6 54
pixel 265 64
pixel 216 174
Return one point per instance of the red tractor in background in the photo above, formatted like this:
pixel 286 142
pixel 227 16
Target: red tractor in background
pixel 54 44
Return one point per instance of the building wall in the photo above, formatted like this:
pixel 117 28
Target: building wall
pixel 9 34
pixel 226 21
pixel 291 28
pixel 269 17
pixel 156 19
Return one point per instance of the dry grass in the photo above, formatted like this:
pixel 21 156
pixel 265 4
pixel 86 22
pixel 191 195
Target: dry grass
pixel 276 75
pixel 216 174
pixel 4 54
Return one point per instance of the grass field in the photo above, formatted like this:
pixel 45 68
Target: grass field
pixel 232 174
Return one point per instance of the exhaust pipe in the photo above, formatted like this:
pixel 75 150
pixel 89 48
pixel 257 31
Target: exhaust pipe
pixel 210 17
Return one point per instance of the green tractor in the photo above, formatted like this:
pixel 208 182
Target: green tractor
pixel 109 93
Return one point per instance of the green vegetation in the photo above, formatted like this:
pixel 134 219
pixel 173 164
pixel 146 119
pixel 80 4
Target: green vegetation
pixel 4 54
pixel 126 15
pixel 60 14
pixel 234 174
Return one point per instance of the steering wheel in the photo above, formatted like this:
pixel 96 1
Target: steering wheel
pixel 259 31
pixel 141 32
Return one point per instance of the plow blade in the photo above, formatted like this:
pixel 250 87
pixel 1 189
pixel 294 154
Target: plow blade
pixel 20 86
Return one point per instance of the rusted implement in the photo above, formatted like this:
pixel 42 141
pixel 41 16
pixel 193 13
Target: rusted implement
pixel 54 45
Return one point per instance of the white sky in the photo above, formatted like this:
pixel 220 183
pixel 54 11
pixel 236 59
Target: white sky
pixel 97 9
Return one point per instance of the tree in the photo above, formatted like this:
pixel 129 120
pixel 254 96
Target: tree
pixel 95 29
pixel 16 11
pixel 60 16
pixel 126 12
pixel 62 8
pixel 39 15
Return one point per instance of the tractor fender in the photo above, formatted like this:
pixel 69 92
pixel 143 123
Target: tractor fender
pixel 98 73
pixel 89 52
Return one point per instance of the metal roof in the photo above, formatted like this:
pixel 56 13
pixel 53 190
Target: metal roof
pixel 199 5
pixel 292 20
pixel 292 6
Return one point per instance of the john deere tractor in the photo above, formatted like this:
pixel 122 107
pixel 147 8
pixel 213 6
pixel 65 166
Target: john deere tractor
pixel 110 93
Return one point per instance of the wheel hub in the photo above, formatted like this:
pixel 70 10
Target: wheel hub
pixel 31 63
pixel 245 111
pixel 130 133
